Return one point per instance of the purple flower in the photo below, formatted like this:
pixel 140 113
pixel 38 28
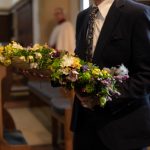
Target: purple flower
pixel 85 68
pixel 121 78
pixel 73 76
pixel 55 54
pixel 125 77
pixel 106 82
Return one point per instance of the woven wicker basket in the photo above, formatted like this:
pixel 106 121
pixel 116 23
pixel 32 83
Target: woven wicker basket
pixel 18 63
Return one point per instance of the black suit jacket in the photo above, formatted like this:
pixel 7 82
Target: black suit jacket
pixel 124 123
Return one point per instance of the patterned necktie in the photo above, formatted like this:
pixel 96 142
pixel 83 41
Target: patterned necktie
pixel 90 33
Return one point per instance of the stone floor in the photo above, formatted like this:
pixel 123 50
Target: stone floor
pixel 31 126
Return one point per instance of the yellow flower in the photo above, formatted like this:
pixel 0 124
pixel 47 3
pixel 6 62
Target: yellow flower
pixel 7 62
pixel 1 49
pixel 9 49
pixel 96 71
pixel 76 63
pixel 104 72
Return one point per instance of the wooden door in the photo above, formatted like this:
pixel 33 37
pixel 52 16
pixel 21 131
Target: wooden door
pixel 24 23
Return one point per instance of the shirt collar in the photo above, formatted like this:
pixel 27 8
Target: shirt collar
pixel 104 7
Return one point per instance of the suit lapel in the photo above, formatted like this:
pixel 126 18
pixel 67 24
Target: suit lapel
pixel 82 38
pixel 109 25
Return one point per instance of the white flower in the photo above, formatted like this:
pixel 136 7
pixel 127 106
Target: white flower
pixel 38 55
pixel 17 46
pixel 36 47
pixel 22 58
pixel 67 61
pixel 33 65
pixel 122 70
pixel 30 57
pixel 75 72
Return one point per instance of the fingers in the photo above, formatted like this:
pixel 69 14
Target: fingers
pixel 83 99
pixel 85 105
pixel 86 102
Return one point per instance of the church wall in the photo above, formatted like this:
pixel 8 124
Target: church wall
pixel 46 9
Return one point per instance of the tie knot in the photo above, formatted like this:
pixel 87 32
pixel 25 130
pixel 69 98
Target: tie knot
pixel 94 10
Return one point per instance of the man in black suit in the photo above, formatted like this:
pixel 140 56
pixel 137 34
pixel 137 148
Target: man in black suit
pixel 120 35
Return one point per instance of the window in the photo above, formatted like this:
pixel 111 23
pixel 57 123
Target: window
pixel 84 4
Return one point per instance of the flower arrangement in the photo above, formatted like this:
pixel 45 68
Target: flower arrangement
pixel 66 69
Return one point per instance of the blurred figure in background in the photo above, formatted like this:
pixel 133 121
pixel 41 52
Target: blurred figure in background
pixel 63 35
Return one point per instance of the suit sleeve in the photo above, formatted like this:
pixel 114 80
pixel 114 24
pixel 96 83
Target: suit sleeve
pixel 139 82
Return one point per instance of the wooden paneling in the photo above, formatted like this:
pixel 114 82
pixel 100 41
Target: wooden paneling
pixel 5 28
pixel 22 13
pixel 2 75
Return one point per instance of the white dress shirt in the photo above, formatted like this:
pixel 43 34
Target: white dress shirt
pixel 103 7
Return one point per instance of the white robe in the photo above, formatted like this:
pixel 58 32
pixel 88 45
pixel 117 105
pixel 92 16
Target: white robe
pixel 63 37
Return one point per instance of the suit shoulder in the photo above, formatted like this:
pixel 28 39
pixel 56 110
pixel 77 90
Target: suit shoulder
pixel 136 8
pixel 83 13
